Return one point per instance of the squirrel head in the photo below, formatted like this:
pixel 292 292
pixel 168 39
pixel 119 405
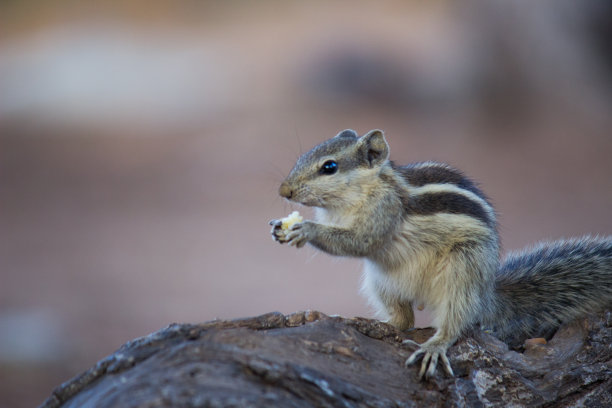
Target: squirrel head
pixel 336 172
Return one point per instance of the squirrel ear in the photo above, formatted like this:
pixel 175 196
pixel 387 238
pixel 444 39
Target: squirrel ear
pixel 374 147
pixel 348 133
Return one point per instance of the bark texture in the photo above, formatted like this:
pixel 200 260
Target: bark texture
pixel 309 359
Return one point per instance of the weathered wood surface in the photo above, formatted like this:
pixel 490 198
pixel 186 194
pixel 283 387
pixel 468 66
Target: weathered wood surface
pixel 309 359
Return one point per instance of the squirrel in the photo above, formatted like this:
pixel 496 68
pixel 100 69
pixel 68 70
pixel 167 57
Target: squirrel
pixel 428 235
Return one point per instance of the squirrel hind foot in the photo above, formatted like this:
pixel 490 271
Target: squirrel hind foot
pixel 430 353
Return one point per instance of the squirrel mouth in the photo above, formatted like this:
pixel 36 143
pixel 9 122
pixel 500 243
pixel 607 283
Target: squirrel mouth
pixel 306 202
pixel 301 195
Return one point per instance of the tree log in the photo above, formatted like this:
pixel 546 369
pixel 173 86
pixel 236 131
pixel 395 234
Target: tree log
pixel 309 359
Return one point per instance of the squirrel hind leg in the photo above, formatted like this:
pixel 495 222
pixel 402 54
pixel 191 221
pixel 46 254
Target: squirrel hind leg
pixel 401 315
pixel 455 314
pixel 383 296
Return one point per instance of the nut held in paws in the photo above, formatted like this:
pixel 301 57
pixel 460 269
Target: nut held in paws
pixel 290 220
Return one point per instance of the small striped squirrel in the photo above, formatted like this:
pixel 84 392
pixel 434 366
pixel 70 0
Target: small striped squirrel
pixel 428 235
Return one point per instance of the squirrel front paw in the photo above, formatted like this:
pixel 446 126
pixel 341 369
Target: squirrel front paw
pixel 431 352
pixel 277 231
pixel 297 235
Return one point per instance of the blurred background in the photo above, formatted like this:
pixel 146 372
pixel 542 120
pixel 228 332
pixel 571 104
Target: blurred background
pixel 142 144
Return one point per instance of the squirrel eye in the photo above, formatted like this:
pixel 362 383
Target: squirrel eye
pixel 329 167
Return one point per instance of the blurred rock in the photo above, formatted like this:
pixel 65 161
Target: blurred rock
pixel 310 359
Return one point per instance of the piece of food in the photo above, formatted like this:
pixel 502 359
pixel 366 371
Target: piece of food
pixel 291 219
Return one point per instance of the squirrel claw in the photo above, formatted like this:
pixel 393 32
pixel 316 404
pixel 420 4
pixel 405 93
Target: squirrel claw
pixel 431 354
pixel 275 223
pixel 277 232
pixel 298 235
pixel 411 342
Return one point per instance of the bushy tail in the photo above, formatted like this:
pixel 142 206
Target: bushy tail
pixel 541 288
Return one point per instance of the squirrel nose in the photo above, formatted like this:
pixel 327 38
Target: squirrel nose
pixel 285 190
